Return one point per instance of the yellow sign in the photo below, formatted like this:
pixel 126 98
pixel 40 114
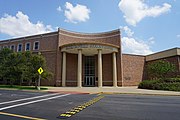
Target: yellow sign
pixel 40 70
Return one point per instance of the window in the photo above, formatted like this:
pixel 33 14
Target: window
pixel 5 46
pixel 19 49
pixel 12 47
pixel 28 47
pixel 36 45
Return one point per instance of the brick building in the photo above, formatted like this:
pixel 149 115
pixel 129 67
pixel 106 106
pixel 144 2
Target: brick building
pixel 81 59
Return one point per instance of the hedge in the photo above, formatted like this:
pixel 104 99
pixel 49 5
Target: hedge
pixel 171 84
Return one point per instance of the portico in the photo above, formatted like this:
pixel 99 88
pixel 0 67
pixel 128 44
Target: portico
pixel 86 71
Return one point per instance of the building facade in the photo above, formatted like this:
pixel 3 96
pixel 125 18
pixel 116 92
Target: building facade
pixel 89 60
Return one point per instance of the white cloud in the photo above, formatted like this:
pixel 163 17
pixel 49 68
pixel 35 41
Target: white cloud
pixel 127 30
pixel 178 36
pixel 133 46
pixel 78 13
pixel 135 10
pixel 20 25
pixel 151 40
pixel 59 9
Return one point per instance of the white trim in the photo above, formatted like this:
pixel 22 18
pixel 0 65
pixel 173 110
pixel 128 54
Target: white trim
pixel 34 45
pixel 29 46
pixel 21 47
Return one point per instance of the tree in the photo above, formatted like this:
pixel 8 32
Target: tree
pixel 33 63
pixel 159 69
pixel 16 67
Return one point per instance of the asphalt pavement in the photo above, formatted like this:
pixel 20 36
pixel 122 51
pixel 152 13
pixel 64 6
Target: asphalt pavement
pixel 23 105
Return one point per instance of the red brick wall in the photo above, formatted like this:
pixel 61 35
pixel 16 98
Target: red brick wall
pixel 174 60
pixel 107 71
pixel 110 38
pixel 71 69
pixel 133 68
pixel 51 66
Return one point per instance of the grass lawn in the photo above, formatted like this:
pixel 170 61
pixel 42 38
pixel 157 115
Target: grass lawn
pixel 21 87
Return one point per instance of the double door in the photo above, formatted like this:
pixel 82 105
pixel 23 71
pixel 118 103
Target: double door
pixel 89 71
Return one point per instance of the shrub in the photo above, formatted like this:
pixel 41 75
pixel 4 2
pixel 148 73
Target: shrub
pixel 172 84
pixel 159 69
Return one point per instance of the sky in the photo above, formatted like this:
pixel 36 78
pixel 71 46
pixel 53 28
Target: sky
pixel 147 26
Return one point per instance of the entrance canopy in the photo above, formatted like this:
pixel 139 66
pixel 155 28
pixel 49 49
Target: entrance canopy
pixel 89 49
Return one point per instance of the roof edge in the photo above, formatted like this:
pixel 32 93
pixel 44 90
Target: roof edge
pixel 82 33
pixel 164 54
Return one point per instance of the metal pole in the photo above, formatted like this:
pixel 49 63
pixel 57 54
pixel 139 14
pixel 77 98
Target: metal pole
pixel 39 82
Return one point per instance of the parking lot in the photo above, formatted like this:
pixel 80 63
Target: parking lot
pixel 22 105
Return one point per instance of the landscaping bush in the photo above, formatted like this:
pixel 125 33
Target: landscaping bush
pixel 172 84
pixel 148 84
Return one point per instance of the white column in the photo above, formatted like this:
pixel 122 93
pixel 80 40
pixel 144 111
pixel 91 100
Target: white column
pixel 79 74
pixel 114 70
pixel 64 70
pixel 99 68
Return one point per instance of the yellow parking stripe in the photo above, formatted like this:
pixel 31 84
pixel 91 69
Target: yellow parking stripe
pixel 20 116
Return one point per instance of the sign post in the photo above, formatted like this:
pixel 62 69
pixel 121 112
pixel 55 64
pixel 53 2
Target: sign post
pixel 40 71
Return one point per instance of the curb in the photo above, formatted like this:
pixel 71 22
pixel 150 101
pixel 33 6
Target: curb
pixel 23 90
pixel 153 94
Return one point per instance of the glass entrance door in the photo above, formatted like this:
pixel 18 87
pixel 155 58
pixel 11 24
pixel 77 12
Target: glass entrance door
pixel 89 71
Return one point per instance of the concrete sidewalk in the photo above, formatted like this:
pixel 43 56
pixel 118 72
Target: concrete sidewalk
pixel 111 90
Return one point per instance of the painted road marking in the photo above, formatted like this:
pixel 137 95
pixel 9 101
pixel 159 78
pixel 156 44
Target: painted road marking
pixel 13 106
pixel 27 98
pixel 20 116
pixel 79 108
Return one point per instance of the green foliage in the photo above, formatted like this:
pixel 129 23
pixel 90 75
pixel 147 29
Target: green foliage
pixel 16 67
pixel 159 69
pixel 172 84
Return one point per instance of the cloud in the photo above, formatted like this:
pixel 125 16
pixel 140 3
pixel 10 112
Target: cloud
pixel 136 10
pixel 127 30
pixel 151 40
pixel 178 36
pixel 78 13
pixel 133 46
pixel 20 25
pixel 59 9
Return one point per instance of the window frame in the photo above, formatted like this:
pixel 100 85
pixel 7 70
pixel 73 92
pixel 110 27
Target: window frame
pixel 38 45
pixel 14 47
pixel 21 47
pixel 29 46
